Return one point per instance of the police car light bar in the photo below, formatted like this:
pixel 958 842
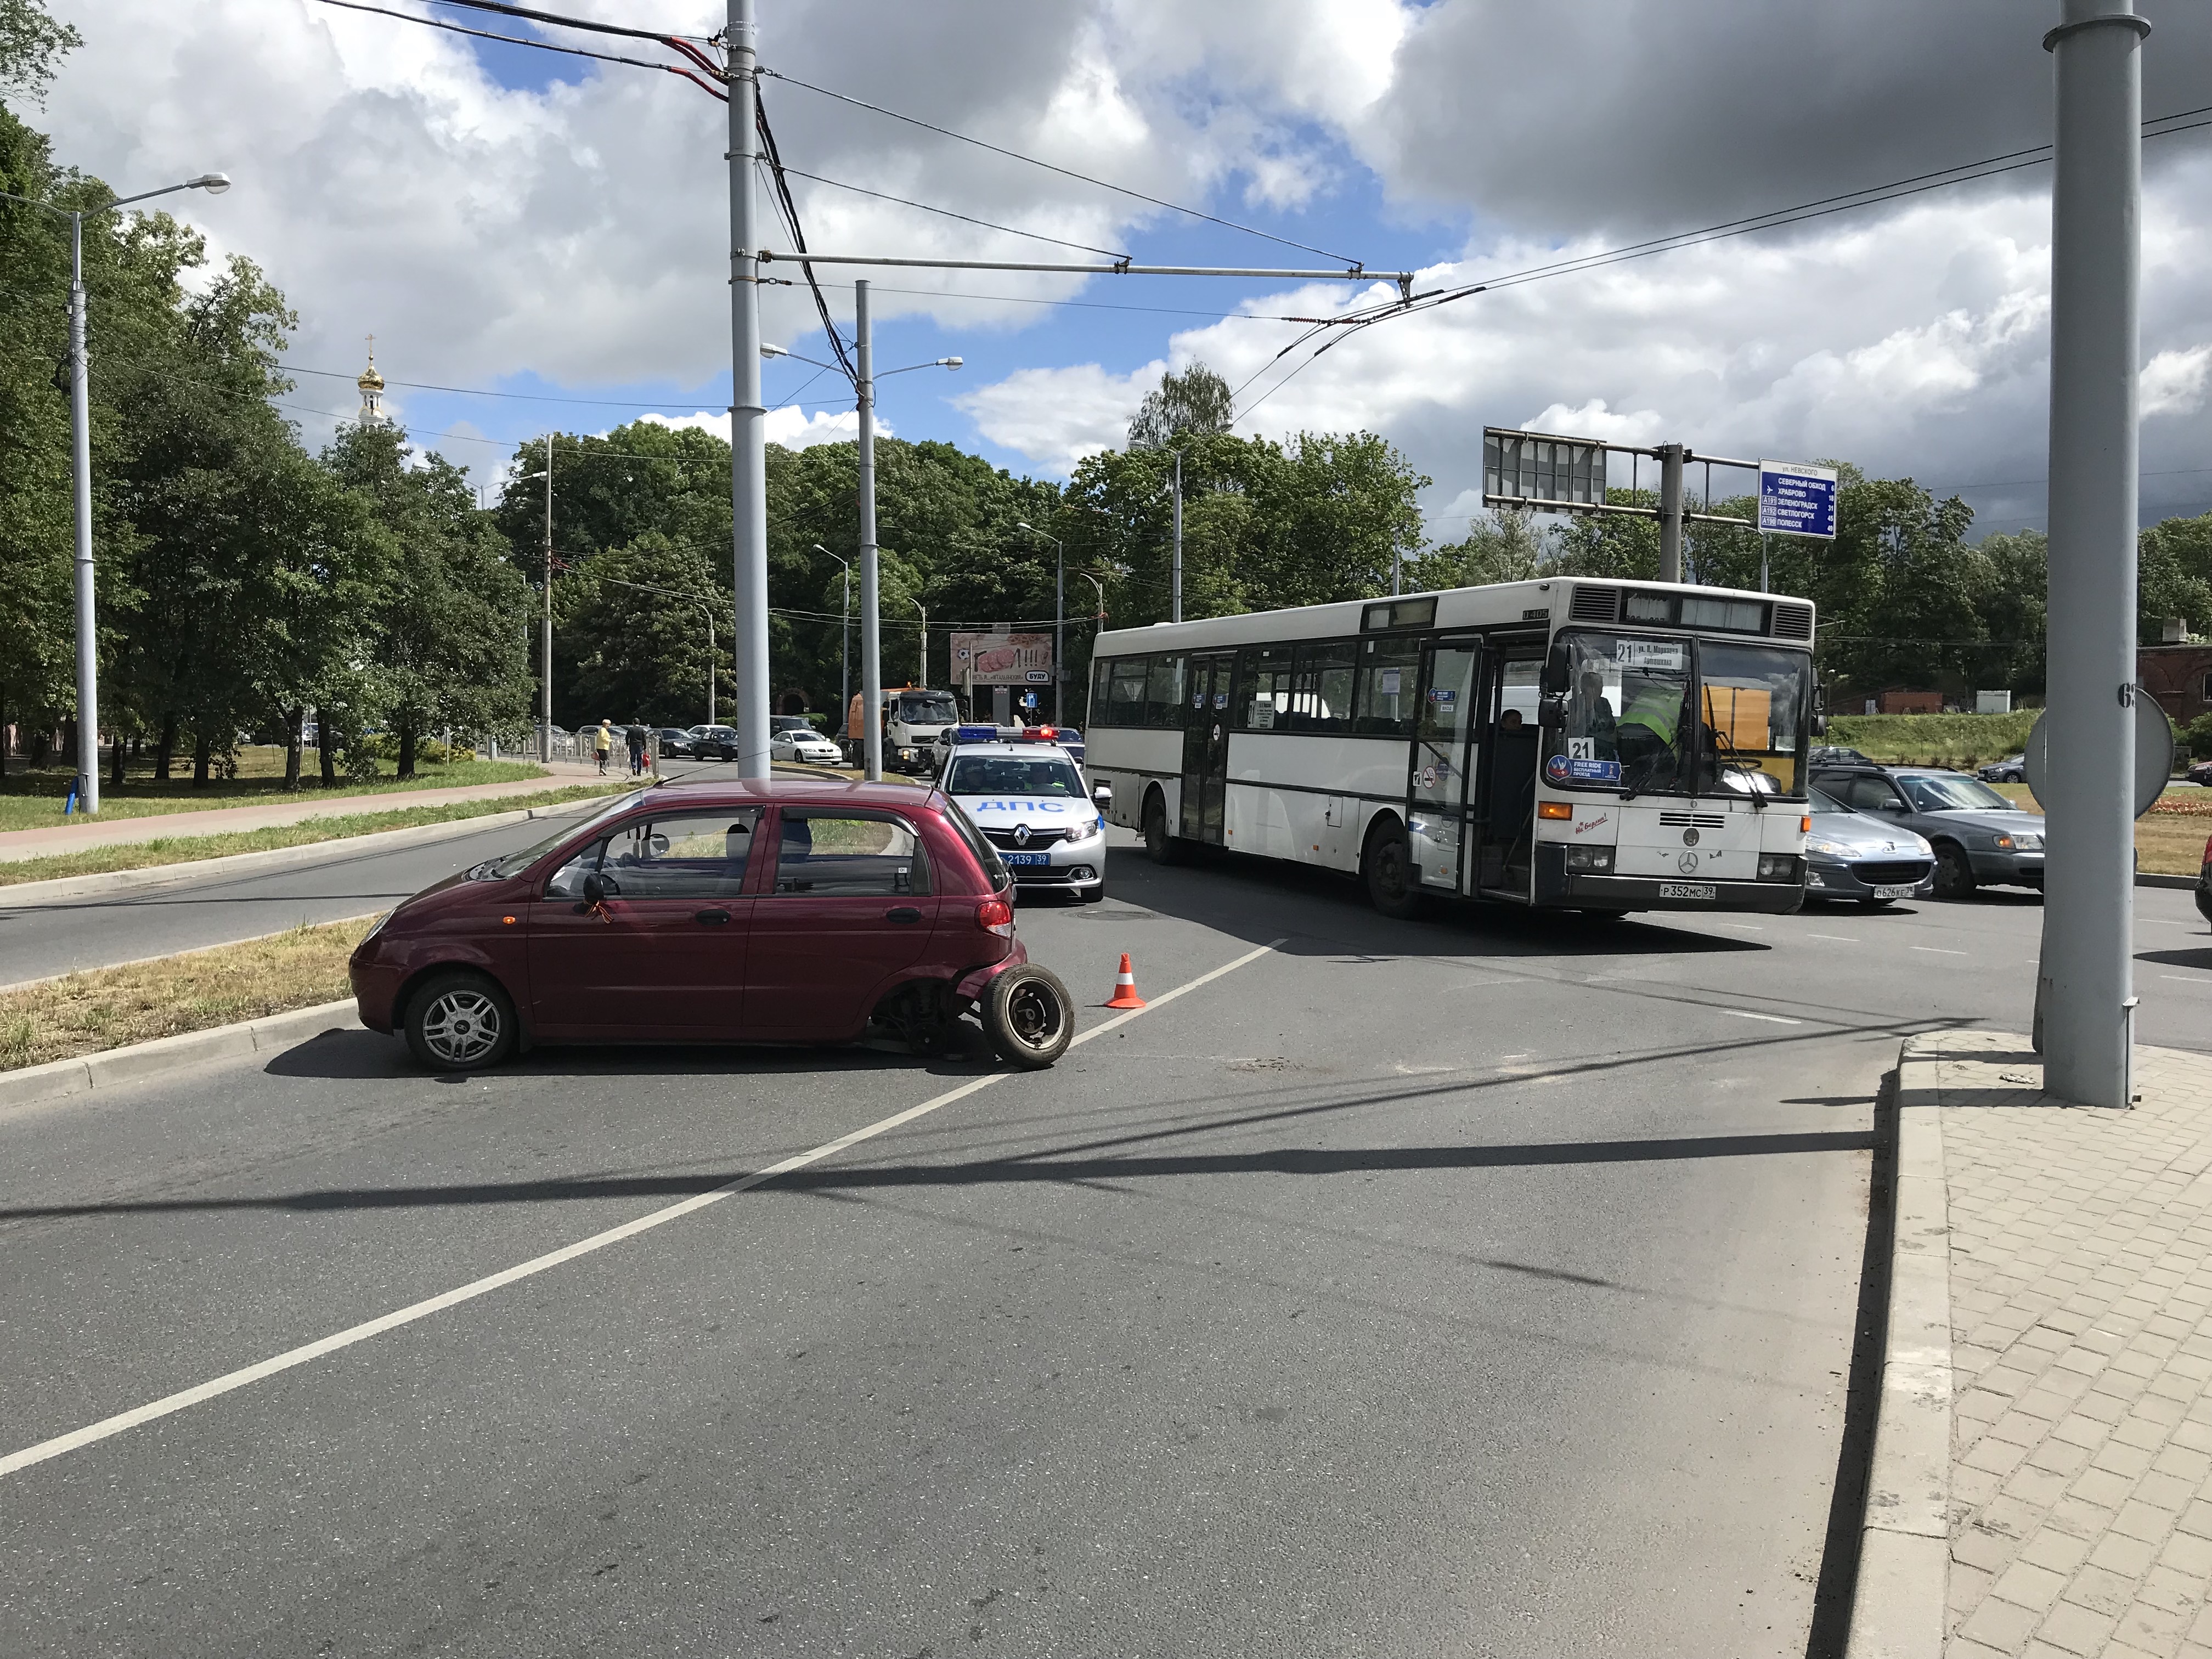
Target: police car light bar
pixel 975 734
pixel 1038 734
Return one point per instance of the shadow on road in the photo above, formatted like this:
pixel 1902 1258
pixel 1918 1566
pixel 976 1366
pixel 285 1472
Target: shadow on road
pixel 358 1055
pixel 2200 958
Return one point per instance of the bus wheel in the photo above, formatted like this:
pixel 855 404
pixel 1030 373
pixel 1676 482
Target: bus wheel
pixel 1160 846
pixel 1388 867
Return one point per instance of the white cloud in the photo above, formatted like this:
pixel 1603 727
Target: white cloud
pixel 2174 382
pixel 1056 416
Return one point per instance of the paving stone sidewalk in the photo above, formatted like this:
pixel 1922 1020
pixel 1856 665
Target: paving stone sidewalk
pixel 2080 1292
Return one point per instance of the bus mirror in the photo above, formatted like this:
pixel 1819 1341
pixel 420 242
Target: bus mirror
pixel 1819 726
pixel 1552 713
pixel 1555 675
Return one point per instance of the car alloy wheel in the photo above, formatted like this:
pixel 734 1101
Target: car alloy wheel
pixel 460 1021
pixel 1955 871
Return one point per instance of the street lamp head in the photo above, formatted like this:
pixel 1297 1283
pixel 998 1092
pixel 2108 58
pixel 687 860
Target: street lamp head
pixel 768 351
pixel 213 183
pixel 950 362
pixel 1018 525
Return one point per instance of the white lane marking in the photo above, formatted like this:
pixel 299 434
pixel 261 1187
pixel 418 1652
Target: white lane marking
pixel 1934 950
pixel 1773 1019
pixel 2187 979
pixel 1840 938
pixel 171 1404
pixel 2148 921
pixel 1739 926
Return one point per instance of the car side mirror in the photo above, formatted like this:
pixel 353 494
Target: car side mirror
pixel 1552 713
pixel 594 890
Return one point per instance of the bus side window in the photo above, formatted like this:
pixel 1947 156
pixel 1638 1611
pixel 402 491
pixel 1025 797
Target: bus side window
pixel 1321 699
pixel 1163 691
pixel 1263 688
pixel 1384 699
pixel 1125 701
pixel 1101 675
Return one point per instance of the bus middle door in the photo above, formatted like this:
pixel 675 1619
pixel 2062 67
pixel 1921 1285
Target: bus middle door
pixel 1206 748
pixel 1436 826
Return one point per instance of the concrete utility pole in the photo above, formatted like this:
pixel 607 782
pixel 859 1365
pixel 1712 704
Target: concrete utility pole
pixel 1670 512
pixel 1174 601
pixel 748 414
pixel 872 632
pixel 2085 996
pixel 545 634
pixel 88 623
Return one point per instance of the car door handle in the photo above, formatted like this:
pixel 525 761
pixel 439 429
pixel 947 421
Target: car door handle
pixel 712 918
pixel 904 913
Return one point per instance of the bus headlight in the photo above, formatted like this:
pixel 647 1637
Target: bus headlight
pixel 1778 867
pixel 1591 861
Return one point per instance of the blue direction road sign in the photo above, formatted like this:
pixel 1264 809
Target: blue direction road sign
pixel 1797 501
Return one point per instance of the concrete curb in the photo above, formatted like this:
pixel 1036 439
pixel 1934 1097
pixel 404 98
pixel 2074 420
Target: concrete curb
pixel 1905 1551
pixel 2183 883
pixel 36 1085
pixel 124 881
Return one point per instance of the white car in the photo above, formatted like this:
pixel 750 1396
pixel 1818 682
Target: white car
pixel 1027 796
pixel 808 747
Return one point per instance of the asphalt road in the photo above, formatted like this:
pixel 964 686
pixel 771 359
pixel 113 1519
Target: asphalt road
pixel 1478 1286
pixel 43 938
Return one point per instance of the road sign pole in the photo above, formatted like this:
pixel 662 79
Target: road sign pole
pixel 1175 591
pixel 748 415
pixel 1670 513
pixel 2084 988
pixel 871 636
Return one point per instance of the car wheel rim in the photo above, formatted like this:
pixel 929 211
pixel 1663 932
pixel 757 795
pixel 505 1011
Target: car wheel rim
pixel 461 1027
pixel 1033 1016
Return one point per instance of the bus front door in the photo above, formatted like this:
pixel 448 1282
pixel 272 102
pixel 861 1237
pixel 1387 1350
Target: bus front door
pixel 1436 826
pixel 1206 748
pixel 1504 822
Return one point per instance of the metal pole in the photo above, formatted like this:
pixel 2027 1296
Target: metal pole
pixel 1397 572
pixel 923 678
pixel 1762 588
pixel 1058 632
pixel 1174 611
pixel 748 414
pixel 545 634
pixel 710 664
pixel 845 651
pixel 88 623
pixel 2084 990
pixel 871 636
pixel 1670 513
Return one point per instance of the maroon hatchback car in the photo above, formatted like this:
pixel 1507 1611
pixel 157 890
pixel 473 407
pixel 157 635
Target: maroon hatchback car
pixel 762 911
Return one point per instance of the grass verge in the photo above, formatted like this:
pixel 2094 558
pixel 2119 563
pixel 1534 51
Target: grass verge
pixel 185 849
pixel 32 800
pixel 1933 739
pixel 107 1008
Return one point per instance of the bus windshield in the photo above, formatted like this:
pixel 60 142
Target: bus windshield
pixel 1629 709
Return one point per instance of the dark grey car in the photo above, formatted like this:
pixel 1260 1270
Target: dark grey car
pixel 1980 838
pixel 1849 855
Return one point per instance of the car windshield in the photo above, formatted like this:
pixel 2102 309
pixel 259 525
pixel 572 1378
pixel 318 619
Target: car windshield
pixel 1951 795
pixel 515 863
pixel 1005 775
pixel 927 709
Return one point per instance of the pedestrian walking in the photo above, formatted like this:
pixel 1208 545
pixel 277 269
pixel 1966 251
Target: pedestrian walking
pixel 603 743
pixel 634 734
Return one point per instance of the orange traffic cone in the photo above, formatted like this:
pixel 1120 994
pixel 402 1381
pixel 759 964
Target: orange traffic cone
pixel 1124 988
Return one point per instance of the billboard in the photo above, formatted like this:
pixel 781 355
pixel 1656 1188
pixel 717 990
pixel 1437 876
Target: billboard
pixel 1542 470
pixel 998 659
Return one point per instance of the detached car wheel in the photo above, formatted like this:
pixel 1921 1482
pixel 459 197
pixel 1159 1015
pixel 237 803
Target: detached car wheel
pixel 460 1021
pixel 1028 1017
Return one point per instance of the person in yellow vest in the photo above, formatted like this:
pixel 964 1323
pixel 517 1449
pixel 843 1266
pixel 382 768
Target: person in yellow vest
pixel 1649 726
pixel 603 743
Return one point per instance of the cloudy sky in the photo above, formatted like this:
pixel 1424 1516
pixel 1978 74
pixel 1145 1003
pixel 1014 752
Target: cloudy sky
pixel 505 220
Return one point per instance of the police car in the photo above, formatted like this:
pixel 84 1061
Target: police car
pixel 1026 793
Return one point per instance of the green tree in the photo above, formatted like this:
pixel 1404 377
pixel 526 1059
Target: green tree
pixel 1195 403
pixel 1505 547
pixel 447 619
pixel 2173 563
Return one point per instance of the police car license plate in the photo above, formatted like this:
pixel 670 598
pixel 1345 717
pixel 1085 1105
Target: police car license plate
pixel 1026 859
pixel 1892 892
pixel 1688 890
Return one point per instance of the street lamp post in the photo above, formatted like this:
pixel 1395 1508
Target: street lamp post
pixel 88 631
pixel 1097 626
pixel 545 637
pixel 917 604
pixel 1058 620
pixel 844 640
pixel 864 387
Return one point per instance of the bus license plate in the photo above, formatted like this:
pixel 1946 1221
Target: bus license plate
pixel 1026 859
pixel 1688 890
pixel 1892 892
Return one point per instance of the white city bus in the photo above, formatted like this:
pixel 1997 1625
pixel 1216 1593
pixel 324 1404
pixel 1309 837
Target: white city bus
pixel 1591 746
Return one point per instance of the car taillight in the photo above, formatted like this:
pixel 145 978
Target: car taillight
pixel 996 916
pixel 2207 859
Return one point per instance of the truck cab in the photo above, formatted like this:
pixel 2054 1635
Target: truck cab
pixel 912 717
